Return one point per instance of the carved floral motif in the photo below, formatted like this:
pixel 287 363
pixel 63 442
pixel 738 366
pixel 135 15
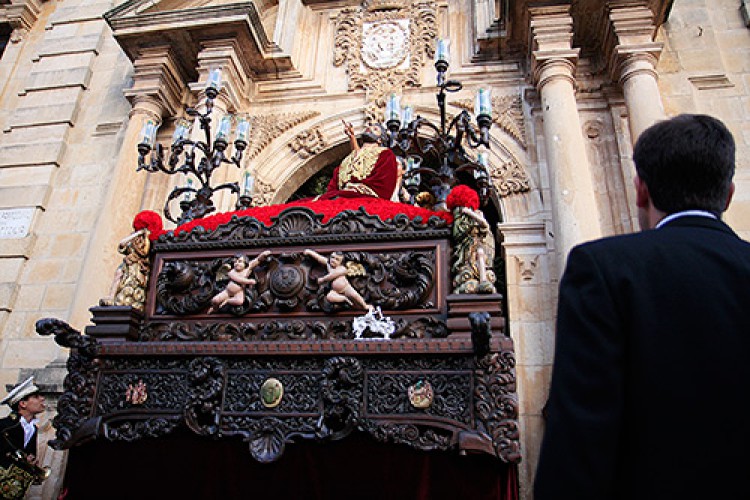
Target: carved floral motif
pixel 309 143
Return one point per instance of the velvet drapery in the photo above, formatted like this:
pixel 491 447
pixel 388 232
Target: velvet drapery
pixel 186 466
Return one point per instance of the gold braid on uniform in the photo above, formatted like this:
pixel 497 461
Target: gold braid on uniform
pixel 358 166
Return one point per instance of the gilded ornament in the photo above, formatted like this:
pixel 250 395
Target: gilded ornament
pixel 271 393
pixel 421 394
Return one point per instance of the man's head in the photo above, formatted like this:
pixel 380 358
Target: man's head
pixel 372 134
pixel 684 163
pixel 25 399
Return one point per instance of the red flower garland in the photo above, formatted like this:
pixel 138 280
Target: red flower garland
pixel 150 220
pixel 462 196
pixel 328 208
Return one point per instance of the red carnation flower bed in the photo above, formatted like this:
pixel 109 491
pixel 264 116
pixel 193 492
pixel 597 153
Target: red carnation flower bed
pixel 328 208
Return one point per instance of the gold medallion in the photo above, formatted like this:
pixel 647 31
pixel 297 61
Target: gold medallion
pixel 271 393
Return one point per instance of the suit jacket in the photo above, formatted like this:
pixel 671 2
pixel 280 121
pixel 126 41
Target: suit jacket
pixel 652 368
pixel 11 439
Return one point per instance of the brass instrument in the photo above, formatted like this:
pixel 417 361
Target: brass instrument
pixel 21 460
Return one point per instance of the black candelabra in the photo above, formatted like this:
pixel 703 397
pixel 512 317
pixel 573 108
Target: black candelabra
pixel 436 159
pixel 197 202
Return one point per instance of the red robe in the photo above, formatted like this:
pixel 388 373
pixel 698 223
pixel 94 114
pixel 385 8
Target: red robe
pixel 371 172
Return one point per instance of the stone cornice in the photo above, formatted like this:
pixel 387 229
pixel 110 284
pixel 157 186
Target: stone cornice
pixel 21 15
pixel 158 75
pixel 627 31
pixel 189 27
pixel 552 54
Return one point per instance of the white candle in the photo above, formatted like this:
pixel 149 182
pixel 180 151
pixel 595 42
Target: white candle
pixel 483 102
pixel 407 115
pixel 214 79
pixel 148 133
pixel 249 183
pixel 442 53
pixel 483 159
pixel 225 126
pixel 392 108
pixel 181 130
pixel 243 128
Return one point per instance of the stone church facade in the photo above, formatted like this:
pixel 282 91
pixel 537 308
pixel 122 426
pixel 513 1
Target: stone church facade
pixel 573 83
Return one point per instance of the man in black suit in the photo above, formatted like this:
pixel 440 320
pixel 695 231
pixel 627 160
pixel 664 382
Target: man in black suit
pixel 18 439
pixel 652 359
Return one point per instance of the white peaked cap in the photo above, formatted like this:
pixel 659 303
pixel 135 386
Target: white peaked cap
pixel 20 391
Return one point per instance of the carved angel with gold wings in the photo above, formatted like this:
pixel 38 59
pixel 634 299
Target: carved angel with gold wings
pixel 341 290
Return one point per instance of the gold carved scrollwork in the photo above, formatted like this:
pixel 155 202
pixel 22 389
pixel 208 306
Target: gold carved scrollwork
pixel 384 49
pixel 507 114
pixel 309 143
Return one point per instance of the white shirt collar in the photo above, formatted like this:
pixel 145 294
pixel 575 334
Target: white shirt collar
pixel 685 213
pixel 28 429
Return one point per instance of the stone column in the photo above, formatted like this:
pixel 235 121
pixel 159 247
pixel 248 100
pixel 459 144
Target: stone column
pixel 633 56
pixel 553 65
pixel 158 86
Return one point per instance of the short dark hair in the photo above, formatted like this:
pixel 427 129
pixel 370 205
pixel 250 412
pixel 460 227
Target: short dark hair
pixel 687 162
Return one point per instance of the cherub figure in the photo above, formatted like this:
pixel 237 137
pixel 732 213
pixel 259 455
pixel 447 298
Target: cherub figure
pixel 341 290
pixel 239 278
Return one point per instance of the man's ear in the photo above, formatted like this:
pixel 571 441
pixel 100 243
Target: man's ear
pixel 729 197
pixel 642 196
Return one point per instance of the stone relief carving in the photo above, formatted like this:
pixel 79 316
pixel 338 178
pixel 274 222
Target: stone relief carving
pixel 309 143
pixel 266 128
pixel 263 194
pixel 385 46
pixel 509 178
pixel 527 266
pixel 507 114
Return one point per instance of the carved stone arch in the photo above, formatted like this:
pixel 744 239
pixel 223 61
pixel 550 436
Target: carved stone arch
pixel 300 153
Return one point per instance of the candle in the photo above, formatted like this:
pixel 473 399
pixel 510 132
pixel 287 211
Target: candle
pixel 243 128
pixel 148 133
pixel 214 79
pixel 442 53
pixel 181 131
pixel 392 108
pixel 225 126
pixel 188 194
pixel 248 184
pixel 483 102
pixel 407 114
pixel 483 158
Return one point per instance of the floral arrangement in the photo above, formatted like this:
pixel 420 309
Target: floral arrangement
pixel 462 196
pixel 328 208
pixel 150 220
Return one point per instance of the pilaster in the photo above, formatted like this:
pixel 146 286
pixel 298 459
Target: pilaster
pixel 553 67
pixel 530 287
pixel 156 93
